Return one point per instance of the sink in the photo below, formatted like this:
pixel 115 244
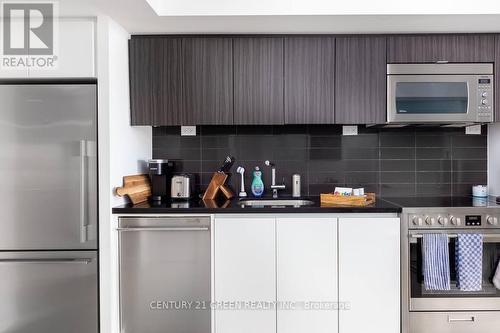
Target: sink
pixel 275 203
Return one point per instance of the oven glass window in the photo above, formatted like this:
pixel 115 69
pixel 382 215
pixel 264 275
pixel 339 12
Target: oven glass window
pixel 431 97
pixel 491 257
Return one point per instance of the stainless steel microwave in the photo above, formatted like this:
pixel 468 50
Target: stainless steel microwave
pixel 440 93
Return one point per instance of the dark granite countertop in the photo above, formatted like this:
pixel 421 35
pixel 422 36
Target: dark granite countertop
pixel 233 207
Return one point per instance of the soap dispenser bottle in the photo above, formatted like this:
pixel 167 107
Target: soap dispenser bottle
pixel 257 183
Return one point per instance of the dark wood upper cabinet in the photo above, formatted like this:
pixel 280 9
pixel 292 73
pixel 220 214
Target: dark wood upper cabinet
pixel 309 80
pixel 208 81
pixel 360 80
pixel 258 80
pixel 155 81
pixel 144 81
pixel 432 48
pixel 170 84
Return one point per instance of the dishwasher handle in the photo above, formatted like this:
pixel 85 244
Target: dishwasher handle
pixel 165 229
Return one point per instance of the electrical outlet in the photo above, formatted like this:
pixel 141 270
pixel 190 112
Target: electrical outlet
pixel 188 130
pixel 473 130
pixel 349 130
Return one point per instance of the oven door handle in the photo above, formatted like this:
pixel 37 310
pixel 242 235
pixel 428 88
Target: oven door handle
pixel 458 320
pixel 490 236
pixel 487 238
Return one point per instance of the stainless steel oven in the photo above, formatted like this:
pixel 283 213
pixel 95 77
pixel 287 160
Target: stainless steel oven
pixel 440 93
pixel 451 310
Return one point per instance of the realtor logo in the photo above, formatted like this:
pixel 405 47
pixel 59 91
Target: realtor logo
pixel 29 30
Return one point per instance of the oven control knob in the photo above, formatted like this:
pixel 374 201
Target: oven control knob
pixel 443 220
pixel 455 220
pixel 429 220
pixel 492 220
pixel 417 220
pixel 484 101
pixel 484 94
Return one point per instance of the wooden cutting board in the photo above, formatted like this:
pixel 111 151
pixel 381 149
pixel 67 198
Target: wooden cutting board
pixel 136 187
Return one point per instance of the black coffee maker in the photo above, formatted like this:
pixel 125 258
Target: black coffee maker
pixel 160 175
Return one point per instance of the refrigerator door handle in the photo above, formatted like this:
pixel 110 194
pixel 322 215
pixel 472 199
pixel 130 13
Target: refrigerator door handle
pixel 83 191
pixel 48 261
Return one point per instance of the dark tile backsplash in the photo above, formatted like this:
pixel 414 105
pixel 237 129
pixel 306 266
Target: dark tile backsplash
pixel 391 162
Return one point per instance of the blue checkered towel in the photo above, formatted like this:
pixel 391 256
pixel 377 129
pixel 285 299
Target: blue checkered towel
pixel 436 262
pixel 469 262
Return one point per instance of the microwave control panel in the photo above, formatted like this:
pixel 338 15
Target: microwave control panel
pixel 485 98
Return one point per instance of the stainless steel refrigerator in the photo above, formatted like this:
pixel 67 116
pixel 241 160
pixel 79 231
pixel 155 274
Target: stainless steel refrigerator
pixel 48 200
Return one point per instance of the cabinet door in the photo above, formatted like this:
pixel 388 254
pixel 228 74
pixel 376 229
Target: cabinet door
pixel 307 274
pixel 432 48
pixel 309 80
pixel 155 81
pixel 245 271
pixel 258 81
pixel 208 81
pixel 144 79
pixel 369 275
pixel 360 76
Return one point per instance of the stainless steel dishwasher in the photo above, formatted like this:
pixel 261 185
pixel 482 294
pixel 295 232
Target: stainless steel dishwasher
pixel 165 275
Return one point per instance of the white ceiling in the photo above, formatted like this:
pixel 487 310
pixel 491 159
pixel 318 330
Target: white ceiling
pixel 138 17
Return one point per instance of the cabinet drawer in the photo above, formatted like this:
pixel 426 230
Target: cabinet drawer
pixel 448 322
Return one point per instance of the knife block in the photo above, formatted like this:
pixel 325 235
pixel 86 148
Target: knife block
pixel 218 185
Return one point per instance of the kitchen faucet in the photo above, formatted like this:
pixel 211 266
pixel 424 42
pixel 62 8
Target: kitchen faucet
pixel 274 187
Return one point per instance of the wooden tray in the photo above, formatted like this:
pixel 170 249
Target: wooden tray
pixel 330 199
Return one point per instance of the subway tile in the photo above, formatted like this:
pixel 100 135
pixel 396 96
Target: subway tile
pixel 360 165
pixel 325 165
pixel 433 189
pixel 397 190
pixel 433 165
pixel 433 141
pixel 359 141
pixel 397 165
pixel 400 140
pixel 470 153
pixel 290 154
pixel 397 153
pixel 470 177
pixel 325 154
pixel 333 141
pixel 433 153
pixel 217 141
pixel 431 177
pixel 326 178
pixel 462 189
pixel 360 153
pixel 397 177
pixel 178 154
pixel 464 141
pixel 362 177
pixel 470 165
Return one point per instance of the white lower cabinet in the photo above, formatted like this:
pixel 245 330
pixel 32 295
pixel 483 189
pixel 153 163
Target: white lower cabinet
pixel 369 275
pixel 306 265
pixel 307 275
pixel 245 271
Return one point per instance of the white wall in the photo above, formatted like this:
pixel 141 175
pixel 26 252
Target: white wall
pixel 320 7
pixel 494 159
pixel 121 150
